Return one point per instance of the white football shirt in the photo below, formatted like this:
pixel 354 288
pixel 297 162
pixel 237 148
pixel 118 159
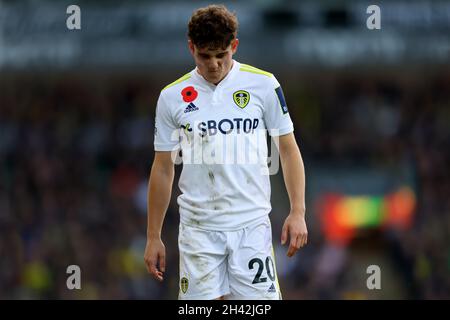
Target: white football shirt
pixel 221 131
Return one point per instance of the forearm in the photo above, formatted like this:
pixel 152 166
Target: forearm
pixel 294 178
pixel 158 198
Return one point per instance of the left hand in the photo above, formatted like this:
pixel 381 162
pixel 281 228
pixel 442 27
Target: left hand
pixel 294 227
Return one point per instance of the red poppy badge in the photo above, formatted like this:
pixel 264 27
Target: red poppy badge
pixel 189 94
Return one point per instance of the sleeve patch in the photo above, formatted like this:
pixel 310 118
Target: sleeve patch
pixel 281 99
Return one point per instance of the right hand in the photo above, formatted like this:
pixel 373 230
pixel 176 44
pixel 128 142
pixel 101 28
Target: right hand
pixel 155 255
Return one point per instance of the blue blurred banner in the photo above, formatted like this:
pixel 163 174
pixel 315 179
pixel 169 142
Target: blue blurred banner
pixel 147 33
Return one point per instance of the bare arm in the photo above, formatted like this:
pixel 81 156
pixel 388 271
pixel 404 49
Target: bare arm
pixel 158 198
pixel 294 178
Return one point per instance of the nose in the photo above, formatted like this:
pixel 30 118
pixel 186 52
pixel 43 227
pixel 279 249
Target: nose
pixel 213 64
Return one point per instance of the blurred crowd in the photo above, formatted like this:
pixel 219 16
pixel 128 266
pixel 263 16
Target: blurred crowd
pixel 382 120
pixel 76 150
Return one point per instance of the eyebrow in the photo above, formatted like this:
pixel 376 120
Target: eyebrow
pixel 209 54
pixel 212 55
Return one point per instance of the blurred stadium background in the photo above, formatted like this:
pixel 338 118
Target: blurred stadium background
pixel 372 116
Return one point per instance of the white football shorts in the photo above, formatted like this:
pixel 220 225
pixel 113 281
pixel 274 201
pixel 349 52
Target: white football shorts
pixel 235 264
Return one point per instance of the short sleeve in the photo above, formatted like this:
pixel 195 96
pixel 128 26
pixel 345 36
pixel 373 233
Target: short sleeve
pixel 276 114
pixel 166 130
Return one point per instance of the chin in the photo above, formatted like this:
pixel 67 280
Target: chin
pixel 214 79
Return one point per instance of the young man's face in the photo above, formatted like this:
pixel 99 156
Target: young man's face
pixel 214 64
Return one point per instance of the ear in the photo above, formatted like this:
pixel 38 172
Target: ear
pixel 191 47
pixel 234 45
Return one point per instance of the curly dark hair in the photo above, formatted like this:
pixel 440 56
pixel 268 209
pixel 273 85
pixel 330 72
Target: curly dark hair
pixel 212 27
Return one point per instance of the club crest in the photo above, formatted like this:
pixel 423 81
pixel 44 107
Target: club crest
pixel 184 283
pixel 241 98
